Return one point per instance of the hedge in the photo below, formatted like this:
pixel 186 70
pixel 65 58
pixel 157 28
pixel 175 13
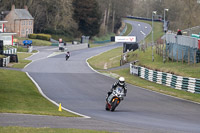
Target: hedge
pixel 32 36
pixel 40 36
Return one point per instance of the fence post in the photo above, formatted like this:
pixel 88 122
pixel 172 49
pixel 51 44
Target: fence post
pixel 177 55
pixel 160 49
pixel 168 55
pixel 157 50
pixel 146 45
pixel 188 56
pixel 194 58
pixel 182 56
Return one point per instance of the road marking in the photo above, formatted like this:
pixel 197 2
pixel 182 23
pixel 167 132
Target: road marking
pixel 55 53
pixel 41 92
pixel 143 33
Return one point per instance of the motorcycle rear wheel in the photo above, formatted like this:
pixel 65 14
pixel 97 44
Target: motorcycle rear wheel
pixel 107 108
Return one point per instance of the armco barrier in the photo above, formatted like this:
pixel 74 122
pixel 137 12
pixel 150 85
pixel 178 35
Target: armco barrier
pixel 177 82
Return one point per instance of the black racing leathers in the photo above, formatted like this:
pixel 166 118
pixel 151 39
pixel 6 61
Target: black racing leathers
pixel 114 86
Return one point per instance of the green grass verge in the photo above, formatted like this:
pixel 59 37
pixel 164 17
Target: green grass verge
pixel 45 130
pixel 21 60
pixel 37 42
pixel 145 59
pixel 107 60
pixel 18 94
pixel 2 56
pixel 129 29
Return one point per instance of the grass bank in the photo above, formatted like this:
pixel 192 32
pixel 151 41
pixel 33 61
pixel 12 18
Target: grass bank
pixel 129 29
pixel 44 130
pixel 22 62
pixel 145 59
pixel 106 60
pixel 18 94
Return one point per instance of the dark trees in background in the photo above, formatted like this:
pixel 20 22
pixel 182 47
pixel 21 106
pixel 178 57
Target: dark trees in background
pixel 59 16
pixel 88 16
pixel 50 16
pixel 112 13
pixel 182 14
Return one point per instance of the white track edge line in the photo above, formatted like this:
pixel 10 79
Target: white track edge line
pixel 40 90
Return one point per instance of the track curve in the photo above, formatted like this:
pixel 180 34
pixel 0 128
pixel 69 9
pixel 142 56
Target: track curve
pixel 80 89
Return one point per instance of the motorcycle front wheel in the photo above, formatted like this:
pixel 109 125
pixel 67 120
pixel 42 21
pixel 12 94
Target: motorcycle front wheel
pixel 114 105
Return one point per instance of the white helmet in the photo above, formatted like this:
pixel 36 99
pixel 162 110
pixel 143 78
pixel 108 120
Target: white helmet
pixel 121 81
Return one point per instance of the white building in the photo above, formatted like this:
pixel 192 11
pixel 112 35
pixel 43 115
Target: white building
pixel 2 26
pixel 5 36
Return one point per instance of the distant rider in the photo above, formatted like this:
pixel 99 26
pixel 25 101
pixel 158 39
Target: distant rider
pixel 67 54
pixel 120 83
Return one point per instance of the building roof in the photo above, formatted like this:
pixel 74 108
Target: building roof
pixel 6 33
pixel 23 14
pixel 1 22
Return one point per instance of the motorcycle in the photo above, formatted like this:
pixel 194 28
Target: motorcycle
pixel 67 56
pixel 114 99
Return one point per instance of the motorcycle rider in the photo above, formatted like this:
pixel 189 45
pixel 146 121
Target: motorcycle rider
pixel 67 54
pixel 120 83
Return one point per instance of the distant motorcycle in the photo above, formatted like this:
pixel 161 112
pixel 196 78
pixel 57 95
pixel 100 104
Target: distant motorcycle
pixel 114 99
pixel 67 56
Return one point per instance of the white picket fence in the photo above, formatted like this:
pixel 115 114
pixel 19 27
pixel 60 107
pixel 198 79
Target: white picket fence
pixel 6 61
pixel 10 51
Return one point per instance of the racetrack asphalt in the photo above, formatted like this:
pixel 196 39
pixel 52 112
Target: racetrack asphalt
pixel 82 90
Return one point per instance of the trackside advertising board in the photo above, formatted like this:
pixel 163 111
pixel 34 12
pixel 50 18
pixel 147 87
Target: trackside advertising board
pixel 124 39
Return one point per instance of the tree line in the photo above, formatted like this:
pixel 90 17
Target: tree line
pixel 182 14
pixel 98 17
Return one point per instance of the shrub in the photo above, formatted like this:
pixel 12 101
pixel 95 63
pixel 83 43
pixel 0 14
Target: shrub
pixel 44 37
pixel 21 49
pixel 32 36
pixel 40 36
